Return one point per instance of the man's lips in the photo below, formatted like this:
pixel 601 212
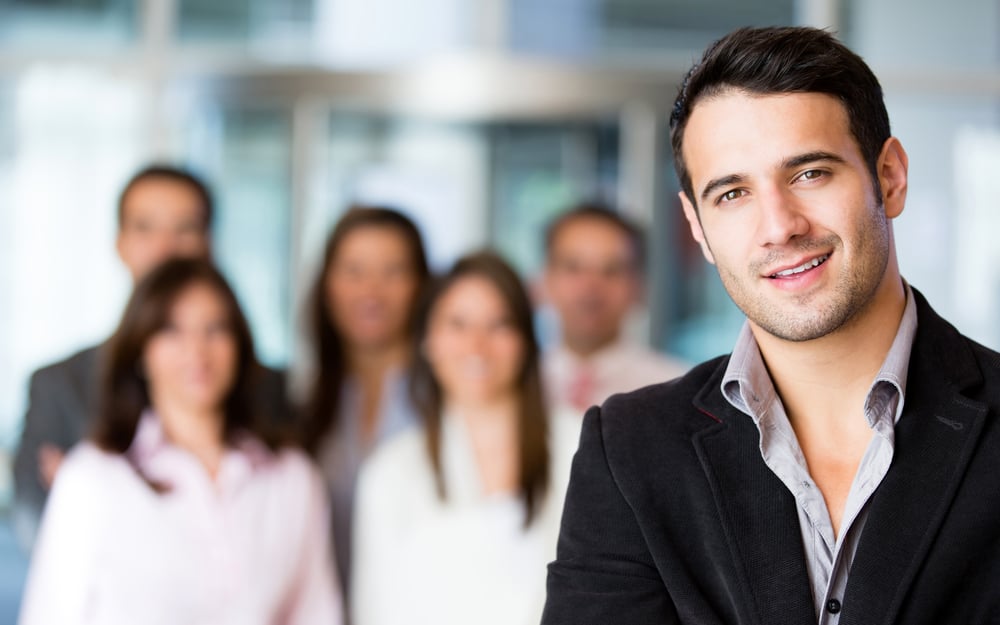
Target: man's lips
pixel 793 271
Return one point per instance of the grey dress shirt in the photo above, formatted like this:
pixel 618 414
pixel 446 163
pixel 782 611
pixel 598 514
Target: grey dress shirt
pixel 748 387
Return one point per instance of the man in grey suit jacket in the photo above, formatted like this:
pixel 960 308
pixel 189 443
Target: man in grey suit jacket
pixel 840 466
pixel 163 211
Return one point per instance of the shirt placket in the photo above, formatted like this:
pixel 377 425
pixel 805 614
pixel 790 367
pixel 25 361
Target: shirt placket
pixel 880 412
pixel 208 503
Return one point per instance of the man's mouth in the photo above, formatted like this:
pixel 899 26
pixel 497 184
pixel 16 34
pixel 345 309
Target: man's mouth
pixel 806 266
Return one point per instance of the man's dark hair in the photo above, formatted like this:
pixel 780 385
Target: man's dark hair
pixel 171 173
pixel 776 60
pixel 599 211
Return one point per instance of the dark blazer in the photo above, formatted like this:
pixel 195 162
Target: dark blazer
pixel 673 517
pixel 62 401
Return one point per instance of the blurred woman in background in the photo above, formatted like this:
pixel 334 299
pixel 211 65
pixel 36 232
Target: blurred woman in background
pixel 457 520
pixel 182 507
pixel 362 305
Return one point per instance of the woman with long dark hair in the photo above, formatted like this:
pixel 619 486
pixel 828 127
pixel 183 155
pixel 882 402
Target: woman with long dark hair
pixel 362 303
pixel 183 507
pixel 456 520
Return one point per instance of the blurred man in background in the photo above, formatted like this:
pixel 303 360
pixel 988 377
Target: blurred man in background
pixel 163 212
pixel 593 278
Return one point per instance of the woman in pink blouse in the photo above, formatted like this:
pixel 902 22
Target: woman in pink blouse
pixel 182 508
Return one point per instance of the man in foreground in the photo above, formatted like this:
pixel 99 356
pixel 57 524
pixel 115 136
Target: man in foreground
pixel 840 466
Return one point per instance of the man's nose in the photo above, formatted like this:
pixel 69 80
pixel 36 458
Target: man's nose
pixel 780 217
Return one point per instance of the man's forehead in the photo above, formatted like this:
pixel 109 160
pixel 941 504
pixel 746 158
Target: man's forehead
pixel 162 198
pixel 736 132
pixel 586 231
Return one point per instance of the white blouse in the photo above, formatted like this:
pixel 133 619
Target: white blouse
pixel 249 548
pixel 467 559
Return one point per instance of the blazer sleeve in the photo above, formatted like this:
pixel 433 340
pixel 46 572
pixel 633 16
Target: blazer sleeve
pixel 43 423
pixel 603 572
pixel 271 397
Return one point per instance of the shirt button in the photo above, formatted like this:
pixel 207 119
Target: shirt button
pixel 833 606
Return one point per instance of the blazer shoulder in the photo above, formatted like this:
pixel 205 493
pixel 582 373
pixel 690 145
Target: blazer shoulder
pixel 678 393
pixel 941 351
pixel 662 412
pixel 79 368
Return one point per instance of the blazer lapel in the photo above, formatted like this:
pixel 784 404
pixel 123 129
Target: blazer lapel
pixel 758 516
pixel 935 439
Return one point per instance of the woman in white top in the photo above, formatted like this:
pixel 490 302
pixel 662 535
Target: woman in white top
pixel 361 307
pixel 182 508
pixel 456 521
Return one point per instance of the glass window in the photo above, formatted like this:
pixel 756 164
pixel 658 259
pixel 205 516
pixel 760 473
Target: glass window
pixel 433 171
pixel 342 33
pixel 246 154
pixel 600 27
pixel 380 33
pixel 274 28
pixel 62 24
pixel 936 38
pixel 72 137
pixel 540 170
pixel 693 316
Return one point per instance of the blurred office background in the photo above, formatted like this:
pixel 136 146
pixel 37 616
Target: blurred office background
pixel 481 118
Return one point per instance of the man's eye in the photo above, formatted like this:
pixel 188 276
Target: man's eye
pixel 730 196
pixel 812 174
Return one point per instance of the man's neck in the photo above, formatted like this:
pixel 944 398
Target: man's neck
pixel 827 377
pixel 823 385
pixel 586 347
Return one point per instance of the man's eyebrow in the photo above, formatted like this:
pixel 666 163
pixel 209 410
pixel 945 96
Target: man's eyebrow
pixel 720 182
pixel 812 157
pixel 789 163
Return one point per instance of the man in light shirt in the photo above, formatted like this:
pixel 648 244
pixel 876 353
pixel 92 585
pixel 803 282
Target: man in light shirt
pixel 841 465
pixel 593 279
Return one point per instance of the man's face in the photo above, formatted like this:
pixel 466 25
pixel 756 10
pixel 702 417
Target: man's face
pixel 786 209
pixel 162 218
pixel 591 280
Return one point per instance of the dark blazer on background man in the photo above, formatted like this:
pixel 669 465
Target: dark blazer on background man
pixel 673 517
pixel 62 401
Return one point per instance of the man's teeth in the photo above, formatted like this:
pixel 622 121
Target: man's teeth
pixel 809 265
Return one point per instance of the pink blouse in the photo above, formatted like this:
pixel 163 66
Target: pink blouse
pixel 249 548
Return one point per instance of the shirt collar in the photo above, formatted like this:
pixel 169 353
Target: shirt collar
pixel 608 356
pixel 892 374
pixel 157 457
pixel 149 438
pixel 747 386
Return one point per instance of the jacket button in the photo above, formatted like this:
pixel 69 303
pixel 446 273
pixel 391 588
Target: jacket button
pixel 833 606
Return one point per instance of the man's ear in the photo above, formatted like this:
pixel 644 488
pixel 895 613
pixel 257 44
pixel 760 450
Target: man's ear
pixel 691 213
pixel 892 176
